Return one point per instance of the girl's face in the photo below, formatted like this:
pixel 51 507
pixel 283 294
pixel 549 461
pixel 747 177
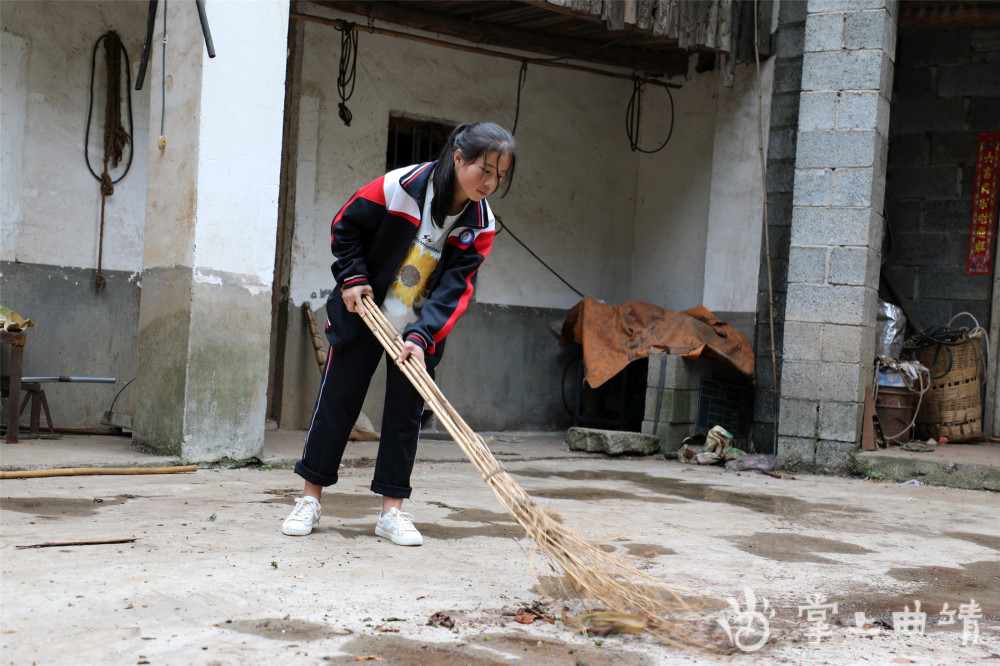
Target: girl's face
pixel 480 177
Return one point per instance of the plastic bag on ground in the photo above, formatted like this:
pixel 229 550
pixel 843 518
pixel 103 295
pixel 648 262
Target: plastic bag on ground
pixel 761 462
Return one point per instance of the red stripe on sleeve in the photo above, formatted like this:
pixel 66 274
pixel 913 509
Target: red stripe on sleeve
pixel 373 191
pixel 463 303
pixel 483 245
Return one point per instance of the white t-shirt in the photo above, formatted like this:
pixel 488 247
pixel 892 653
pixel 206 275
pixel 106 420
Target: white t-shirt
pixel 410 287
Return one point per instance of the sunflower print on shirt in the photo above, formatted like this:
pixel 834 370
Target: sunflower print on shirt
pixel 413 276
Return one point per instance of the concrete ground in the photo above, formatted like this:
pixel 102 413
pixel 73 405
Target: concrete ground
pixel 209 578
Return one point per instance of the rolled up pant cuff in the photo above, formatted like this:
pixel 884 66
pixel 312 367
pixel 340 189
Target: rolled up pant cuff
pixel 391 491
pixel 313 477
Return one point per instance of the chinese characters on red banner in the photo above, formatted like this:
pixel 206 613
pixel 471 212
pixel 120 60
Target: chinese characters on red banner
pixel 984 204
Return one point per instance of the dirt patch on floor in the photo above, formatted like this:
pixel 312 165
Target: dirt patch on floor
pixel 666 489
pixel 785 547
pixel 61 507
pixel 489 649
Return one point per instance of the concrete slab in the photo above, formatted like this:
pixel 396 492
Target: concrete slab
pixel 612 442
pixel 972 466
pixel 210 579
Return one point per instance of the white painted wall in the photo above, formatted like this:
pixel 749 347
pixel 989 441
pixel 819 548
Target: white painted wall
pixel 242 106
pixel 13 120
pixel 674 185
pixel 174 81
pixel 699 212
pixel 51 203
pixel 735 219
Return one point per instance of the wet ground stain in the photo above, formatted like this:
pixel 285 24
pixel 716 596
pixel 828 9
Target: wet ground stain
pixel 488 650
pixel 647 550
pixel 57 507
pixel 936 586
pixel 786 507
pixel 599 494
pixel 785 547
pixel 346 506
pixel 435 531
pixel 473 515
pixel 983 540
pixel 282 629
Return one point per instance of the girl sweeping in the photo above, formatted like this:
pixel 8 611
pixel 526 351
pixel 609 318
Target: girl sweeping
pixel 413 240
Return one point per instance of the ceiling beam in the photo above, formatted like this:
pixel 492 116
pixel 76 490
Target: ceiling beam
pixel 649 61
pixel 936 14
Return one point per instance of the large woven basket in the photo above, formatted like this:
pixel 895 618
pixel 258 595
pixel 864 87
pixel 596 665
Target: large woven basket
pixel 953 406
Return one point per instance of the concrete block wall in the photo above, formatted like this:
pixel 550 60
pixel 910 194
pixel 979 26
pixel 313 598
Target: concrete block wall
pixel 947 91
pixel 834 247
pixel 673 390
pixel 787 51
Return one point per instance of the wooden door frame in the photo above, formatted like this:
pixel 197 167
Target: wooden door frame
pixel 991 409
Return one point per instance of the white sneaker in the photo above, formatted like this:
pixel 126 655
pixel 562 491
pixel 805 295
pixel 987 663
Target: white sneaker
pixel 302 518
pixel 398 528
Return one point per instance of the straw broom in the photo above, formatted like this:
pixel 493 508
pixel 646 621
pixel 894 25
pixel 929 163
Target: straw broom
pixel 593 574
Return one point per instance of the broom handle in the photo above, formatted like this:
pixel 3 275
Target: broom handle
pixel 417 373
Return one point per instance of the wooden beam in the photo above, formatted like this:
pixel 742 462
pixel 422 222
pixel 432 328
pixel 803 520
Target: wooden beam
pixel 918 14
pixel 644 60
pixel 342 24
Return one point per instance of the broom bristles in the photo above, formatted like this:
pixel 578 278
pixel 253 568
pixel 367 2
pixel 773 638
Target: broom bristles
pixel 593 574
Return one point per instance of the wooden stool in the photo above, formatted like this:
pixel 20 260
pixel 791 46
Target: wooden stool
pixel 36 396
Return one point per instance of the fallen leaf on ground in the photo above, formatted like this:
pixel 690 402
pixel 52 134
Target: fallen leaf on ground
pixel 367 657
pixel 525 616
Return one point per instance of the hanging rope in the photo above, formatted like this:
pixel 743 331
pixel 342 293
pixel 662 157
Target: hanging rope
pixel 944 338
pixel 521 77
pixel 633 114
pixel 347 69
pixel 115 136
pixel 504 227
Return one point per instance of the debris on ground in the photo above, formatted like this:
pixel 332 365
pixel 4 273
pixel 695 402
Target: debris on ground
pixel 54 544
pixel 441 619
pixel 717 448
pixel 760 462
pixel 917 447
pixel 527 615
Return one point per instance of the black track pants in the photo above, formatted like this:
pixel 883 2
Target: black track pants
pixel 348 373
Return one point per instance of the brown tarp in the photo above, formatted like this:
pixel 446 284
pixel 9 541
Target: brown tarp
pixel 615 335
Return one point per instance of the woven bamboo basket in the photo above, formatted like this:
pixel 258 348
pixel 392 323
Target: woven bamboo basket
pixel 953 406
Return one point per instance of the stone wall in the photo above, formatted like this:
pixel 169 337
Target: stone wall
pixel 947 90
pixel 787 49
pixel 673 396
pixel 833 258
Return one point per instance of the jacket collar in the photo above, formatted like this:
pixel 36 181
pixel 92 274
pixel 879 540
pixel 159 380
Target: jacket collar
pixel 414 182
